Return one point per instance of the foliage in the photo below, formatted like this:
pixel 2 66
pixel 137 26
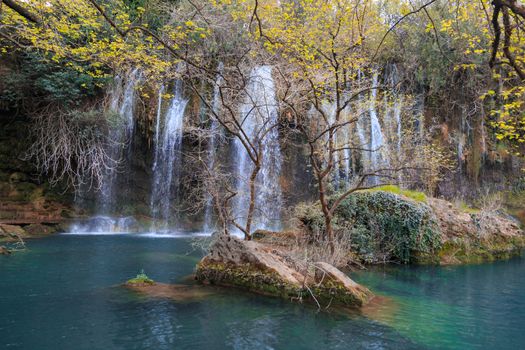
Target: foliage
pixel 381 227
pixel 34 82
pixel 476 29
pixel 98 38
pixel 141 278
pixel 415 195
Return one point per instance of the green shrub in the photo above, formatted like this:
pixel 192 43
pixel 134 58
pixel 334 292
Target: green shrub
pixel 415 195
pixel 141 278
pixel 381 226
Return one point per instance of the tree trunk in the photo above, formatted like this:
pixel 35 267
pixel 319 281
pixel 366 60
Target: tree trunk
pixel 251 208
pixel 329 232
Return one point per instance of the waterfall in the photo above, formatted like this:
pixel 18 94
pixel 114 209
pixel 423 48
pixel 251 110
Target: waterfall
pixel 215 129
pixel 259 117
pixel 397 116
pixel 122 102
pixel 329 108
pixel 376 134
pixel 157 127
pixel 106 224
pixel 347 142
pixel 167 164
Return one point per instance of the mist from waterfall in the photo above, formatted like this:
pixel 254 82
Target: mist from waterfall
pixel 259 116
pixel 167 157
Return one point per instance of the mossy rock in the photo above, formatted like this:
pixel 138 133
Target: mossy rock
pixel 256 267
pixel 4 250
pixel 462 251
pixel 245 277
pixel 140 280
pixel 40 229
pixel 381 226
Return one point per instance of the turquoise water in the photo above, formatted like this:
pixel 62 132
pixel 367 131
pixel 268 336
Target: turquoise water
pixel 63 293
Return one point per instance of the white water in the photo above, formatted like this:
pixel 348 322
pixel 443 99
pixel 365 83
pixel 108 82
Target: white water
pixel 259 113
pixel 106 225
pixel 216 136
pixel 157 127
pixel 167 164
pixel 376 134
pixel 122 102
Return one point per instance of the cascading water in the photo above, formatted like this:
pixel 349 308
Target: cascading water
pixel 157 126
pixel 361 126
pixel 376 134
pixel 122 103
pixel 347 153
pixel 216 135
pixel 167 164
pixel 329 109
pixel 106 224
pixel 399 126
pixel 259 115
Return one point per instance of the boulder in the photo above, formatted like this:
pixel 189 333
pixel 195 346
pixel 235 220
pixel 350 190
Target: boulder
pixel 4 251
pixel 263 269
pixel 11 233
pixel 476 236
pixel 40 230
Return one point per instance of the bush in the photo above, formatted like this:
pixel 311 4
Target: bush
pixel 381 226
pixel 34 81
pixel 141 278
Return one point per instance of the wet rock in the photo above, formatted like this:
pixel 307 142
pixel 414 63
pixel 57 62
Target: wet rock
pixel 171 291
pixel 475 237
pixel 259 268
pixel 4 251
pixel 12 231
pixel 40 230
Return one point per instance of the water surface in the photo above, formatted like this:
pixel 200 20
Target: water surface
pixel 63 293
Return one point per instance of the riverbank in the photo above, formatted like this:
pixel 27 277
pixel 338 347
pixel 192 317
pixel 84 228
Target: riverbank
pixel 381 227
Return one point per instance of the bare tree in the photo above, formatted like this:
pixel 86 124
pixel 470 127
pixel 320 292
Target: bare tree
pixel 72 146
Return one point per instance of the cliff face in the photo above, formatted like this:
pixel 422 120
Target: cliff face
pixel 25 199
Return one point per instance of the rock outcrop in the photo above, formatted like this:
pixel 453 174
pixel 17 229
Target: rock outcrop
pixel 476 236
pixel 15 233
pixel 4 251
pixel 383 226
pixel 263 269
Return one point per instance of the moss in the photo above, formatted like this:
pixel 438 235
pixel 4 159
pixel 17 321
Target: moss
pixel 264 281
pixel 246 277
pixel 415 195
pixel 141 279
pixel 482 250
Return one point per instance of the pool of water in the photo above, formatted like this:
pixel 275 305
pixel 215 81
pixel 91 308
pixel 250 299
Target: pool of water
pixel 63 293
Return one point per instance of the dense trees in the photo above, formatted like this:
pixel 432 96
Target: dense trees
pixel 325 55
